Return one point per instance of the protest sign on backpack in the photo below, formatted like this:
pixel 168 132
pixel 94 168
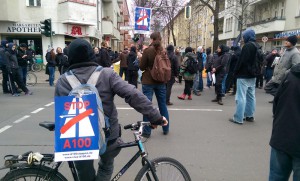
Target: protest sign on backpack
pixel 192 65
pixel 81 127
pixel 161 70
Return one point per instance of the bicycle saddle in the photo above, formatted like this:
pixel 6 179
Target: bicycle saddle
pixel 48 125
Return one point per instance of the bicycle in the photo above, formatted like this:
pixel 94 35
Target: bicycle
pixel 31 79
pixel 38 166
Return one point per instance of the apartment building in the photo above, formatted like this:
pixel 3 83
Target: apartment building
pixel 193 32
pixel 93 20
pixel 272 20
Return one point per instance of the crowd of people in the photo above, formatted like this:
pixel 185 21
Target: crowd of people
pixel 238 71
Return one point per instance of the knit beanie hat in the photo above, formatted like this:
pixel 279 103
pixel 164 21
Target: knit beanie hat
pixel 292 39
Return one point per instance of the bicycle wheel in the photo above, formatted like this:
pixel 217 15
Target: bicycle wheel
pixel 166 169
pixel 36 67
pixel 33 174
pixel 31 79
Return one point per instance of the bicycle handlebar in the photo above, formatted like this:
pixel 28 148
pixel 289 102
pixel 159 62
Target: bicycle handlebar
pixel 137 125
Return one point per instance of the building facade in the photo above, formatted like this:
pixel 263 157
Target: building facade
pixel 272 20
pixel 93 20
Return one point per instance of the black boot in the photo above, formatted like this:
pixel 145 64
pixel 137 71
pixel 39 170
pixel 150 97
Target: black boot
pixel 220 101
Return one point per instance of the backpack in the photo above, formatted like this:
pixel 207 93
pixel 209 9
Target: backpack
pixel 255 69
pixel 79 89
pixel 192 65
pixel 136 63
pixel 161 70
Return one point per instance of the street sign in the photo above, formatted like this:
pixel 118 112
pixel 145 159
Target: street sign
pixel 126 27
pixel 76 128
pixel 264 39
pixel 142 19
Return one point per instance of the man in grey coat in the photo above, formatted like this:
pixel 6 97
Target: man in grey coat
pixel 82 64
pixel 290 57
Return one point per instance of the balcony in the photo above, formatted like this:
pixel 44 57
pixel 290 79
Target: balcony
pixel 69 12
pixel 85 2
pixel 269 25
pixel 110 30
pixel 257 2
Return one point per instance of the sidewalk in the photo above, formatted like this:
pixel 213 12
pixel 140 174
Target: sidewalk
pixel 42 77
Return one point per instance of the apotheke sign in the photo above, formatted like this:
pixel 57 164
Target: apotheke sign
pixel 23 28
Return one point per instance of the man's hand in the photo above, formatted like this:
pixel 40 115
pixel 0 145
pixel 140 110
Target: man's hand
pixel 24 56
pixel 139 55
pixel 165 123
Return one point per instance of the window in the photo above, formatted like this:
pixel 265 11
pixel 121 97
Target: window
pixel 228 26
pixel 33 2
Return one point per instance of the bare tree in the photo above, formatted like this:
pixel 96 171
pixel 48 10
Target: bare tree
pixel 214 6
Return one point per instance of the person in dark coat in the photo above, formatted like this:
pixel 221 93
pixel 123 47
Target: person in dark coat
pixel 219 68
pixel 174 72
pixel 4 67
pixel 22 61
pixel 231 79
pixel 123 63
pixel 131 68
pixel 269 64
pixel 208 67
pixel 109 84
pixel 246 79
pixel 285 139
pixel 61 61
pixel 14 72
pixel 103 59
pixel 50 57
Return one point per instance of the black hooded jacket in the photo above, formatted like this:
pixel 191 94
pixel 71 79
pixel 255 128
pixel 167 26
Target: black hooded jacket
pixel 130 59
pixel 286 109
pixel 221 61
pixel 173 60
pixel 3 59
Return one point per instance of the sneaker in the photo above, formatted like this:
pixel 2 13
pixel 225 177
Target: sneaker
pixel 214 100
pixel 16 95
pixel 28 93
pixel 236 122
pixel 249 119
pixel 166 132
pixel 220 102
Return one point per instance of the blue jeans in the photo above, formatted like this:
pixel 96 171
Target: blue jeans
pixel 208 81
pixel 51 75
pixel 281 166
pixel 160 93
pixel 245 99
pixel 224 84
pixel 198 82
pixel 23 73
pixel 269 74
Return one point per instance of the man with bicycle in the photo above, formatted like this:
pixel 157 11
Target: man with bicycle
pixel 30 55
pixel 82 63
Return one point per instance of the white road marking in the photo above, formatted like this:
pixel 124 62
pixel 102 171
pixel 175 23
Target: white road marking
pixel 177 109
pixel 51 103
pixel 22 119
pixel 5 128
pixel 37 110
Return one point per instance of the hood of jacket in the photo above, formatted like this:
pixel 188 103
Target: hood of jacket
pixel 224 49
pixel 191 55
pixel 249 35
pixel 296 70
pixel 80 51
pixel 3 43
pixel 10 45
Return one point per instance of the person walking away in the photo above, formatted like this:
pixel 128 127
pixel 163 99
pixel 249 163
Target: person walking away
pixel 231 79
pixel 290 57
pixel 226 72
pixel 246 78
pixel 132 67
pixel 174 68
pixel 22 61
pixel 14 72
pixel 187 76
pixel 269 64
pixel 198 81
pixel 61 61
pixel 208 67
pixel 4 66
pixel 109 84
pixel 123 63
pixel 219 69
pixel 260 77
pixel 50 57
pixel 103 59
pixel 285 138
pixel 179 59
pixel 149 85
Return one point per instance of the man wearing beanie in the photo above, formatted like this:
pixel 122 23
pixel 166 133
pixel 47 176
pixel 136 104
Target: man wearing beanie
pixel 290 57
pixel 82 64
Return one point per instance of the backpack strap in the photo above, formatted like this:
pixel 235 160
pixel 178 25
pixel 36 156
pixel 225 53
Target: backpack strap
pixel 95 76
pixel 72 79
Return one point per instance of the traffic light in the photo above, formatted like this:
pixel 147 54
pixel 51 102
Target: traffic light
pixel 187 12
pixel 46 28
pixel 136 38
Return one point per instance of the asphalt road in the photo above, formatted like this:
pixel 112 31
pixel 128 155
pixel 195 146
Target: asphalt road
pixel 201 137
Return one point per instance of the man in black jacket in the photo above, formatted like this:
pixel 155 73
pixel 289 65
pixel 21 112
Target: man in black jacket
pixel 103 59
pixel 285 139
pixel 4 66
pixel 174 72
pixel 245 74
